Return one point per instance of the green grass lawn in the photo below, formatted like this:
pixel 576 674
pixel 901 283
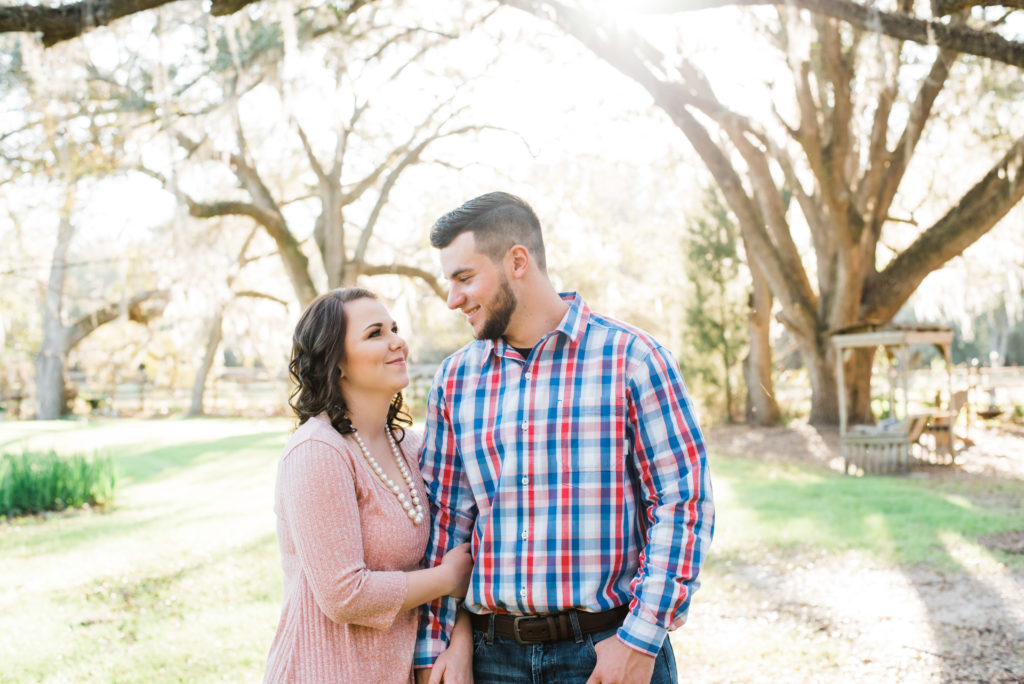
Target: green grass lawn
pixel 180 580
pixel 796 507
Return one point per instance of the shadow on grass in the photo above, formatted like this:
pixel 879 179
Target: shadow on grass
pixel 903 519
pixel 164 461
pixel 135 627
pixel 150 591
pixel 14 433
pixel 86 528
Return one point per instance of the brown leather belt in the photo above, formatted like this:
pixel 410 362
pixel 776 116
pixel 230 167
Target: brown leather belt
pixel 536 629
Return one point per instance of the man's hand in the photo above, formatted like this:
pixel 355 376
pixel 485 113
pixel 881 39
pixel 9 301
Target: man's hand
pixel 617 663
pixel 451 668
pixel 423 676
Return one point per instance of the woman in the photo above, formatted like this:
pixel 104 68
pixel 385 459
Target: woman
pixel 350 504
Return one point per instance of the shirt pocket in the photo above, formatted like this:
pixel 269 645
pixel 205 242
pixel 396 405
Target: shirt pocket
pixel 597 435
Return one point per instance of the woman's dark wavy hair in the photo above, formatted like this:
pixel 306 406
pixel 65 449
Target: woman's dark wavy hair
pixel 318 347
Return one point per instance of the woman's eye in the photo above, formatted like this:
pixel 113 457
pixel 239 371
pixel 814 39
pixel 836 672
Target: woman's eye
pixel 375 333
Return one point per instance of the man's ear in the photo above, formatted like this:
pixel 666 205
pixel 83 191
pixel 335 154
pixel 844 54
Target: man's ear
pixel 518 260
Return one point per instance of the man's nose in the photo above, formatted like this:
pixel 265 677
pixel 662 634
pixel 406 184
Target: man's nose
pixel 455 298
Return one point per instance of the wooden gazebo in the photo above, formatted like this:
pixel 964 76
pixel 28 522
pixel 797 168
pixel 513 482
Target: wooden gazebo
pixel 886 447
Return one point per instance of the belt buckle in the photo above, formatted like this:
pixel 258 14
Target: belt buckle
pixel 515 630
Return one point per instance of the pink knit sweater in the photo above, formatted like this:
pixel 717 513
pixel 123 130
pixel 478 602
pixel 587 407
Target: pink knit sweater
pixel 345 545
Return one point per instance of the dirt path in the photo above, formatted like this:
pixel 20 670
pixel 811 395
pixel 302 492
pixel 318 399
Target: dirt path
pixel 848 618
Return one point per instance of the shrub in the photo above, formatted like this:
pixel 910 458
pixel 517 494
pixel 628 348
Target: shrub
pixel 37 482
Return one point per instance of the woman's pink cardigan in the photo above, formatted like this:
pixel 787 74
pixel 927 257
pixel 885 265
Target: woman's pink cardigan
pixel 345 545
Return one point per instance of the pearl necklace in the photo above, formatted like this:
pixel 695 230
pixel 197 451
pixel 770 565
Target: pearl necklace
pixel 413 507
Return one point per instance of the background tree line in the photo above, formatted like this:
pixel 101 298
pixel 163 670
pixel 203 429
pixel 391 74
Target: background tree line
pixel 291 148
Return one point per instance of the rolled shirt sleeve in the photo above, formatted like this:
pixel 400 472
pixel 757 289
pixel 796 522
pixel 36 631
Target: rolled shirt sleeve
pixel 671 465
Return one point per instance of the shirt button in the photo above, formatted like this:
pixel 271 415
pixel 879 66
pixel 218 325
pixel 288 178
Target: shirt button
pixel 525 534
pixel 522 592
pixel 526 480
pixel 524 426
pixel 529 375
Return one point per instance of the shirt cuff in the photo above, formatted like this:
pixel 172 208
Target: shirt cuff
pixel 642 636
pixel 426 652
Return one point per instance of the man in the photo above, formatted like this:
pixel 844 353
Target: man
pixel 563 444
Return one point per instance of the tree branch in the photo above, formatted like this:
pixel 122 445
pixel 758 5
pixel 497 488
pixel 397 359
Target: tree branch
pixel 942 8
pixel 64 22
pixel 133 309
pixel 69 21
pixel 261 295
pixel 896 162
pixel 409 271
pixel 925 32
pixel 878 154
pixel 630 54
pixel 207 210
pixel 412 157
pixel 809 136
pixel 265 211
pixel 313 162
pixel 979 209
pixel 356 191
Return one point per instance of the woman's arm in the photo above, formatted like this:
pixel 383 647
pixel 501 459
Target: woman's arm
pixel 450 578
pixel 317 499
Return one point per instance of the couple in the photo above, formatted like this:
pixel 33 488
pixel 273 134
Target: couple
pixel 560 488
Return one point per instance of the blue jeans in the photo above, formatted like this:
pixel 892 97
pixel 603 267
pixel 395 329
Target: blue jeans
pixel 503 661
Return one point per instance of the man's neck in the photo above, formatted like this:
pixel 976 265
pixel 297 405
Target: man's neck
pixel 536 316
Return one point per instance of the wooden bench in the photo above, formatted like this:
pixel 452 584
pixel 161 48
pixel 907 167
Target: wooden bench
pixel 881 449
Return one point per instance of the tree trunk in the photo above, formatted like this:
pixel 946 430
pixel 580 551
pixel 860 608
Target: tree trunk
pixel 213 337
pixel 730 415
pixel 819 360
pixel 52 353
pixel 762 407
pixel 50 382
pixel 857 374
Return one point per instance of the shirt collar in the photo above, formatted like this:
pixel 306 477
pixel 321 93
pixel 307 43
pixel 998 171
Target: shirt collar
pixel 576 318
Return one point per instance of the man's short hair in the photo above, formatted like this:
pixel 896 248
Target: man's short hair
pixel 498 221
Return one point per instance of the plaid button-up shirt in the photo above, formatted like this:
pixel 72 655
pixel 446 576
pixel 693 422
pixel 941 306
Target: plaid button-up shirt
pixel 579 474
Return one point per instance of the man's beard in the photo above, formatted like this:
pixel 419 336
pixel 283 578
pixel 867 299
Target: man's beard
pixel 499 314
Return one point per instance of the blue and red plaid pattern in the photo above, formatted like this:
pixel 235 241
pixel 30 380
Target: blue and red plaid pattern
pixel 578 473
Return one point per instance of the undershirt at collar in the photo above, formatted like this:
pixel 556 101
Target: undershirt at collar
pixel 525 352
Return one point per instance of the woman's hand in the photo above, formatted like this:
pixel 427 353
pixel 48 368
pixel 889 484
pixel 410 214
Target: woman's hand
pixel 459 566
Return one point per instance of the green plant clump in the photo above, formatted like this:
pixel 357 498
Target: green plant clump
pixel 37 482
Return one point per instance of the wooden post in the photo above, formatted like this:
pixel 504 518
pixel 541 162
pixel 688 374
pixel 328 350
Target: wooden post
pixel 904 380
pixel 947 352
pixel 841 384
